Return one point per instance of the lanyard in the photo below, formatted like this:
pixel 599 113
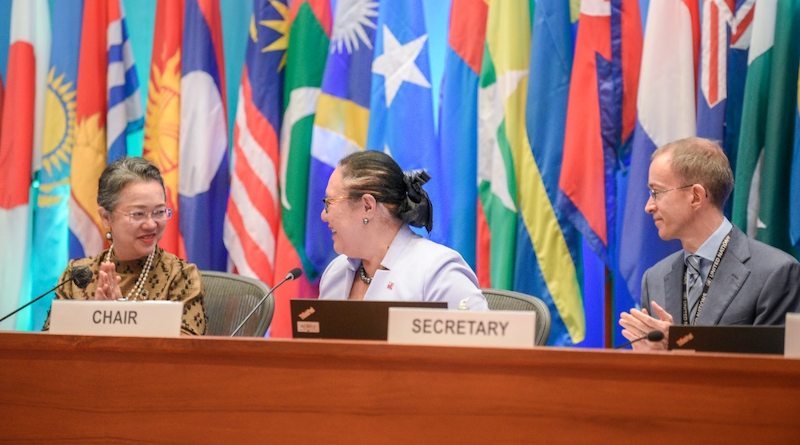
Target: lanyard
pixel 709 279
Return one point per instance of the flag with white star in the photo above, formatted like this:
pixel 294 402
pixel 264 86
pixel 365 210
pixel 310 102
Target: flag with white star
pixel 401 102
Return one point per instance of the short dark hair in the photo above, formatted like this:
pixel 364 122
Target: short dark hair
pixel 377 174
pixel 701 161
pixel 119 174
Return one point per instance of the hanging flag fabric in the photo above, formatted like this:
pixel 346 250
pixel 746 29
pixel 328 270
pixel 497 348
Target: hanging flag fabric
pixel 725 29
pixel 761 196
pixel 458 134
pixel 501 133
pixel 203 179
pixel 124 102
pixel 794 185
pixel 2 95
pixel 309 40
pixel 162 123
pixel 107 106
pixel 342 116
pixel 749 158
pixel 600 118
pixel 548 249
pixel 401 97
pixel 51 225
pixel 666 112
pixel 589 159
pixel 21 148
pixel 251 222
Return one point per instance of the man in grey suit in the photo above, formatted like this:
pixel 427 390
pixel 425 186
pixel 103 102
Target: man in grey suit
pixel 721 277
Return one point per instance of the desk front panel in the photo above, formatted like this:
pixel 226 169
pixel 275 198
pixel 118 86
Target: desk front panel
pixel 75 389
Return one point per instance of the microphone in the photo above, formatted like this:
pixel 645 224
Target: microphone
pixel 292 275
pixel 650 336
pixel 81 275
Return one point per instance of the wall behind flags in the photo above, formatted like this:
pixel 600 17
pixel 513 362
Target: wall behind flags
pixel 573 242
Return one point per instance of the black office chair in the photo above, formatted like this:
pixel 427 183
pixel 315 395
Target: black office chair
pixel 507 300
pixel 229 298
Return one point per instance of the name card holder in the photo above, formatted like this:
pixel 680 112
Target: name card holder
pixel 436 327
pixel 116 318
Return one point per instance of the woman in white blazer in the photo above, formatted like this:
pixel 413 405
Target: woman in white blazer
pixel 369 206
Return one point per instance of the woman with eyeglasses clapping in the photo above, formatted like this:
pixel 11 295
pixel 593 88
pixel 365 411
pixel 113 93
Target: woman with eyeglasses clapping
pixel 132 206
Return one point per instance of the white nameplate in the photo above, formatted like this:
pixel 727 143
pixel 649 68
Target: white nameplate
pixel 791 344
pixel 504 329
pixel 116 318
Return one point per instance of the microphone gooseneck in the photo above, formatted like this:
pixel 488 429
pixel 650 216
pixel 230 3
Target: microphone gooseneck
pixel 292 275
pixel 650 336
pixel 80 275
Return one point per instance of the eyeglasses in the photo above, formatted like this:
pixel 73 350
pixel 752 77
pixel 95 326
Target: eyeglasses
pixel 140 217
pixel 654 193
pixel 326 202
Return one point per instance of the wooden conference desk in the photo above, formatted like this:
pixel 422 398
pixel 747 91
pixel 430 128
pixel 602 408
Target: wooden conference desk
pixel 72 389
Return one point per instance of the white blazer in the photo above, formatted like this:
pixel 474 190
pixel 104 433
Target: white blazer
pixel 417 269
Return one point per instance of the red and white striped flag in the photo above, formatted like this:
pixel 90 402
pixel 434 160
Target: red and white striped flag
pixel 251 222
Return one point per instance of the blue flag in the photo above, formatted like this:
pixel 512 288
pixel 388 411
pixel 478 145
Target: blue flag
pixel 51 224
pixel 340 125
pixel 401 103
pixel 538 257
pixel 203 166
pixel 458 132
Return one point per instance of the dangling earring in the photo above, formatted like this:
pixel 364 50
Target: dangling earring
pixel 366 221
pixel 110 249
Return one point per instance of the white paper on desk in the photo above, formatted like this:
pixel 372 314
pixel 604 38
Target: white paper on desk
pixel 791 346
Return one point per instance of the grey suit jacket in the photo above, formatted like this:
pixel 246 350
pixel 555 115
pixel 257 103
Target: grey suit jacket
pixel 755 284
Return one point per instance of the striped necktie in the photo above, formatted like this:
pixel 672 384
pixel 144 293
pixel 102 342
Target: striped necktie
pixel 694 283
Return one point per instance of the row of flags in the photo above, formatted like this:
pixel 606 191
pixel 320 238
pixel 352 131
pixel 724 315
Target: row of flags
pixel 186 131
pixel 75 98
pixel 548 115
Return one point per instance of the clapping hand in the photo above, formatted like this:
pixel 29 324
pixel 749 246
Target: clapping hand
pixel 638 323
pixel 108 283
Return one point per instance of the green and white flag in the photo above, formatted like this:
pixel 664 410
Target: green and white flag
pixel 501 133
pixel 763 166
pixel 309 37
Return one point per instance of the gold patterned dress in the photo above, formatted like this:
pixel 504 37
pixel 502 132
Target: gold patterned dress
pixel 170 278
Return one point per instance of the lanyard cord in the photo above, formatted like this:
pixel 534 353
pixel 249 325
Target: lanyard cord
pixel 722 248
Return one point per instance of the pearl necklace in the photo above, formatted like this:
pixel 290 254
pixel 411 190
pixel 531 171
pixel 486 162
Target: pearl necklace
pixel 363 275
pixel 138 288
